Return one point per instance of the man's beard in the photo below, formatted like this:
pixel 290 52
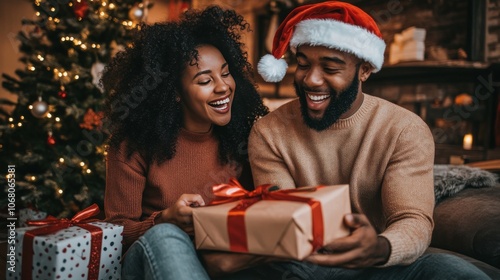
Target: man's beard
pixel 339 104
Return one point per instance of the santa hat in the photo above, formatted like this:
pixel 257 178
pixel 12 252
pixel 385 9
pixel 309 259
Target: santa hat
pixel 331 24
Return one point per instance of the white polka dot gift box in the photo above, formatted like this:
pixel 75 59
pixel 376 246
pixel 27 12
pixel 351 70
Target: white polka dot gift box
pixel 76 250
pixel 28 214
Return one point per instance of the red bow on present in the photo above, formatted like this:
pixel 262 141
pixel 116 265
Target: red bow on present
pixel 233 191
pixel 52 225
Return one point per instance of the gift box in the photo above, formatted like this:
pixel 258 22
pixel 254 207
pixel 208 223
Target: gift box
pixel 413 34
pixel 408 46
pixel 412 51
pixel 85 250
pixel 27 214
pixel 284 223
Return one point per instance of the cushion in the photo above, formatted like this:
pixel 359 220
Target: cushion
pixel 469 223
pixel 451 179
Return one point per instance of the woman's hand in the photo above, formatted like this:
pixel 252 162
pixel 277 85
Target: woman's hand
pixel 181 213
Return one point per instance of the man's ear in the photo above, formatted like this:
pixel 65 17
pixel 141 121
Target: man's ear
pixel 364 71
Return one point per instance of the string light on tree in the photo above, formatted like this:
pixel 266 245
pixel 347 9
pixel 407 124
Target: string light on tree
pixel 62 75
pixel 30 178
pixel 11 125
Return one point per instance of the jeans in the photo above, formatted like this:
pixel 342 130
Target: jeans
pixel 427 267
pixel 164 252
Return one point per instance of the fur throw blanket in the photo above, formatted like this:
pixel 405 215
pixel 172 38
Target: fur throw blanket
pixel 451 179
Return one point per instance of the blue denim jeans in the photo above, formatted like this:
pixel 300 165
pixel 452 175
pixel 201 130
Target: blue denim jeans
pixel 164 252
pixel 427 267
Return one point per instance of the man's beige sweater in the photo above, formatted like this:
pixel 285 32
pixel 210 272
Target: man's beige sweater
pixel 384 152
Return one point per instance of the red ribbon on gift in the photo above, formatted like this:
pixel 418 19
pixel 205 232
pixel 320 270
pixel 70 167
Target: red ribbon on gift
pixel 233 191
pixel 52 225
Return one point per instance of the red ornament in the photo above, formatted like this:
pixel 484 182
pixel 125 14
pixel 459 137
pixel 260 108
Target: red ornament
pixel 80 8
pixel 51 140
pixel 92 120
pixel 62 94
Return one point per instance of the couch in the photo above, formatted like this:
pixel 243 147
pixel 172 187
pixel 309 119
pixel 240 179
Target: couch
pixel 467 224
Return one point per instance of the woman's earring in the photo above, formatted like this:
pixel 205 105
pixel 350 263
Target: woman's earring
pixel 177 99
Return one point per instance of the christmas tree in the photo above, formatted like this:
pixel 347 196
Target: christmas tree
pixel 54 136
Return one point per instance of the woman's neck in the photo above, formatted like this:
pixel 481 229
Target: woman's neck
pixel 198 130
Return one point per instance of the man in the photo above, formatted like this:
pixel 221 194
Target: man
pixel 336 134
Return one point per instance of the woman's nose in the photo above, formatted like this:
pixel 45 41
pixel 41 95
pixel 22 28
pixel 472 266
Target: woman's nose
pixel 221 85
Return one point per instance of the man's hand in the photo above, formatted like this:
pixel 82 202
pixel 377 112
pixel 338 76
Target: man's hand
pixel 362 248
pixel 181 213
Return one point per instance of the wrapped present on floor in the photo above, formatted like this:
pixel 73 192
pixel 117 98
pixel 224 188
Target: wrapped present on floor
pixel 68 249
pixel 28 214
pixel 284 223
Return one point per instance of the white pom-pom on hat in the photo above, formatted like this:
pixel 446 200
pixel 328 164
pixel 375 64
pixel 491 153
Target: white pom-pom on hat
pixel 271 69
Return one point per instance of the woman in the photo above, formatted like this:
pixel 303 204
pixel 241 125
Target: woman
pixel 181 107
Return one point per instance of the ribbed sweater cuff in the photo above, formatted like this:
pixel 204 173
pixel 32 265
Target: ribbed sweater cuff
pixel 153 217
pixel 401 252
pixel 133 231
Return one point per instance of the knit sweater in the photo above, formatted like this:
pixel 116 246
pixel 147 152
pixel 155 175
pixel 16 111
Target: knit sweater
pixel 383 151
pixel 136 192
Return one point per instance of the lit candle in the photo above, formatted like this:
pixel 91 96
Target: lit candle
pixel 468 141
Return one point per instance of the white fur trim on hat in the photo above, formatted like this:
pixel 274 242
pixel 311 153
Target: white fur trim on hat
pixel 341 36
pixel 271 69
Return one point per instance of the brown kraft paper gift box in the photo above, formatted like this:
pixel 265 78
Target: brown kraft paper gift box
pixel 276 227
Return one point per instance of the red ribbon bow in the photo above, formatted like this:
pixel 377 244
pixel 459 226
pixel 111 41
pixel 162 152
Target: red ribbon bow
pixel 233 191
pixel 52 225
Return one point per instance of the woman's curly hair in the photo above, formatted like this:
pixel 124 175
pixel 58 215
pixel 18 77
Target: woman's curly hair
pixel 143 82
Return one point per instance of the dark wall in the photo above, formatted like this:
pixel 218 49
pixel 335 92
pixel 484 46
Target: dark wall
pixel 446 21
pixel 493 31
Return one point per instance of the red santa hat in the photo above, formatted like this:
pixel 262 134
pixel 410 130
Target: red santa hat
pixel 331 24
